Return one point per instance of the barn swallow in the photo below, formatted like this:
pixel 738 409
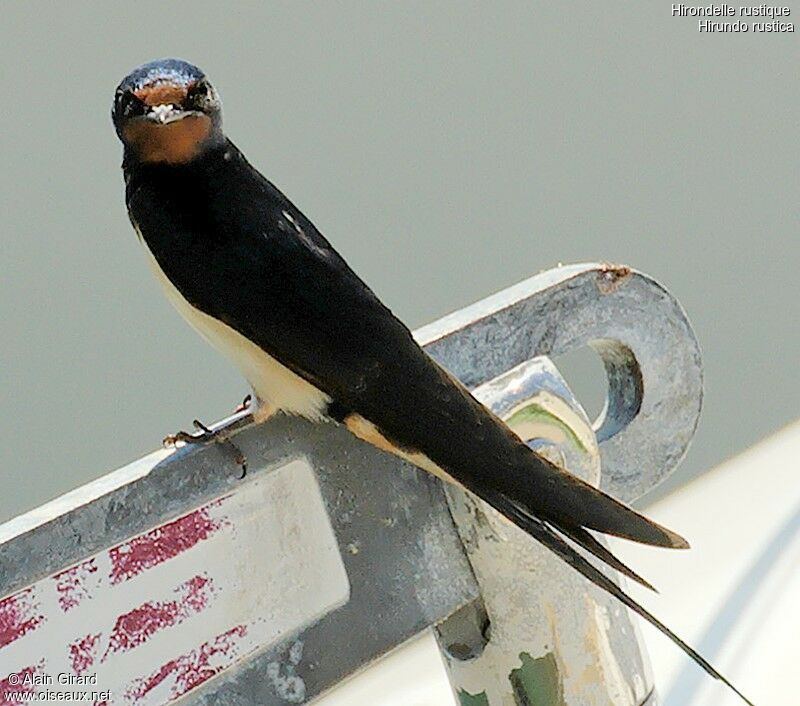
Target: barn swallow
pixel 254 276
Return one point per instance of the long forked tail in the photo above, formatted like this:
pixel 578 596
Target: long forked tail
pixel 555 495
pixel 546 535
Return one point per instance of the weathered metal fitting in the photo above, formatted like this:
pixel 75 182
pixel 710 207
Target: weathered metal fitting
pixel 556 640
pixel 639 330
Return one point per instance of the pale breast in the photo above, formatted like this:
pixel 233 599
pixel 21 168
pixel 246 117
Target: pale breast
pixel 272 381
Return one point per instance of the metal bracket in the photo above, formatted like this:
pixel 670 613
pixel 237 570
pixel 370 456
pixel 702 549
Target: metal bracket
pixel 170 579
pixel 639 330
pixel 546 635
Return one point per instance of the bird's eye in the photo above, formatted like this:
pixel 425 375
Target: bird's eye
pixel 200 96
pixel 127 105
pixel 197 93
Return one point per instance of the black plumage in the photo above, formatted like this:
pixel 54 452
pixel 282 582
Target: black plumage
pixel 237 250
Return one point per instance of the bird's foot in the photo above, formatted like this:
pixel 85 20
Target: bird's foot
pixel 259 410
pixel 204 435
pixel 244 405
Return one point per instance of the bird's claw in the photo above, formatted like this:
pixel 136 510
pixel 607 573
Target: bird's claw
pixel 244 405
pixel 204 435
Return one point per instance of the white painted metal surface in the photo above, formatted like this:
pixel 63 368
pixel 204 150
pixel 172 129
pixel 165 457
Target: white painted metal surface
pixel 543 614
pixel 184 594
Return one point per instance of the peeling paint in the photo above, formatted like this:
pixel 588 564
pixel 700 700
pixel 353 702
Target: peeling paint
pixel 466 699
pixel 283 676
pixel 167 609
pixel 137 626
pixel 537 682
pixel 20 614
pixel 182 674
pixel 163 543
pixel 549 643
pixel 612 277
pixel 535 419
pixel 76 584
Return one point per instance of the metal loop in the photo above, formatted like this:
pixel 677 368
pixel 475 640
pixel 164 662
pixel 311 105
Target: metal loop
pixel 649 350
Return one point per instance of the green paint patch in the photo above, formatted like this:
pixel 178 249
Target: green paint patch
pixel 534 413
pixel 466 699
pixel 537 682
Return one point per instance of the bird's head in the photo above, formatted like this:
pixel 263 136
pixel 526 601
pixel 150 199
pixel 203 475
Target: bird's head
pixel 167 111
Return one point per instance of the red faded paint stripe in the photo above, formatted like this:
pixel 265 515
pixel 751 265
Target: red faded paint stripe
pixel 137 626
pixel 193 668
pixel 19 615
pixel 14 684
pixel 163 543
pixel 76 584
pixel 83 652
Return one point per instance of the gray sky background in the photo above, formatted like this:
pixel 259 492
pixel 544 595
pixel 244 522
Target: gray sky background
pixel 447 150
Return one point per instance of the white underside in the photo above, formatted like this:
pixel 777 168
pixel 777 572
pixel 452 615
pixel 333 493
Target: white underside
pixel 278 388
pixel 274 384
